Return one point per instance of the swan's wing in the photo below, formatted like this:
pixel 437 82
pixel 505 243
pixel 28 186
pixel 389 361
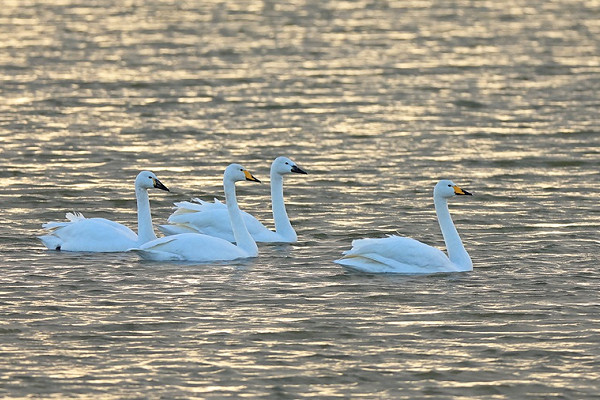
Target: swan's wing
pixel 213 219
pixel 396 254
pixel 183 207
pixel 190 247
pixel 259 232
pixel 176 229
pixel 117 227
pixel 88 234
pixel 158 250
pixel 83 223
pixel 213 222
pixel 376 264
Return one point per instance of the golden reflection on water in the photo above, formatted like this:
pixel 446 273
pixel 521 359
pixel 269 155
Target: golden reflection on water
pixel 376 101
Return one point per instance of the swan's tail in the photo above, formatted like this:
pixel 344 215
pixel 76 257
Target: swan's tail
pixel 216 203
pixel 72 217
pixel 51 242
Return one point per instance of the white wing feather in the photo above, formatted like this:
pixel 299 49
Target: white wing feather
pixel 213 219
pixel 396 254
pixel 88 234
pixel 190 247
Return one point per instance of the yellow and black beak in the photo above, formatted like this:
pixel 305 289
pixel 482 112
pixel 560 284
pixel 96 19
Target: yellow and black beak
pixel 158 184
pixel 458 190
pixel 249 177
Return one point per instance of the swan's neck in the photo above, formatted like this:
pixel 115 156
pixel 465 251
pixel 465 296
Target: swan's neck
pixel 282 222
pixel 145 229
pixel 456 251
pixel 243 239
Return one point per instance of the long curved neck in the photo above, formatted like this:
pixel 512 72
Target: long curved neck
pixel 243 239
pixel 282 222
pixel 456 250
pixel 145 229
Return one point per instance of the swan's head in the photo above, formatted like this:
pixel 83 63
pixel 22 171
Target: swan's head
pixel 236 173
pixel 283 165
pixel 147 180
pixel 447 189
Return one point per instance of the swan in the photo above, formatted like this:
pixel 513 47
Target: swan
pixel 212 218
pixel 395 254
pixel 193 246
pixel 101 234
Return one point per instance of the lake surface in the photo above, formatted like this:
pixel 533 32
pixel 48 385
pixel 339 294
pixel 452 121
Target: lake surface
pixel 377 100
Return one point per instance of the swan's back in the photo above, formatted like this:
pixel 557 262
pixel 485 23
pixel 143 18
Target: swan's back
pixel 88 234
pixel 212 219
pixel 190 247
pixel 183 207
pixel 396 254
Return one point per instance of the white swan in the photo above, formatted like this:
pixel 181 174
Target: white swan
pixel 395 254
pixel 212 218
pixel 103 235
pixel 204 248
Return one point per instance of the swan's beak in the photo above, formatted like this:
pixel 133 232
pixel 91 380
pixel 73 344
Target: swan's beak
pixel 158 184
pixel 458 190
pixel 298 170
pixel 249 177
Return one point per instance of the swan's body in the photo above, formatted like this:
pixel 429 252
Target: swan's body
pixel 193 246
pixel 101 234
pixel 396 254
pixel 213 219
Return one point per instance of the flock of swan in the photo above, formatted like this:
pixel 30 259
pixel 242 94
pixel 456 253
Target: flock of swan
pixel 200 231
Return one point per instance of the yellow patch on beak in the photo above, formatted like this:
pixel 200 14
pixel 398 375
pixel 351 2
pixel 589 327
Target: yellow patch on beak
pixel 458 190
pixel 249 177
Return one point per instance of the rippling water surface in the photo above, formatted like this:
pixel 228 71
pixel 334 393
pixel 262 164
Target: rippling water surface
pixel 377 100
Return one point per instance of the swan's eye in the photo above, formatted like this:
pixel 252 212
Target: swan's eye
pixel 241 169
pixel 449 185
pixel 287 163
pixel 149 177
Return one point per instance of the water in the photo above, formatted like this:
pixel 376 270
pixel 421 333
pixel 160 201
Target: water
pixel 377 101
